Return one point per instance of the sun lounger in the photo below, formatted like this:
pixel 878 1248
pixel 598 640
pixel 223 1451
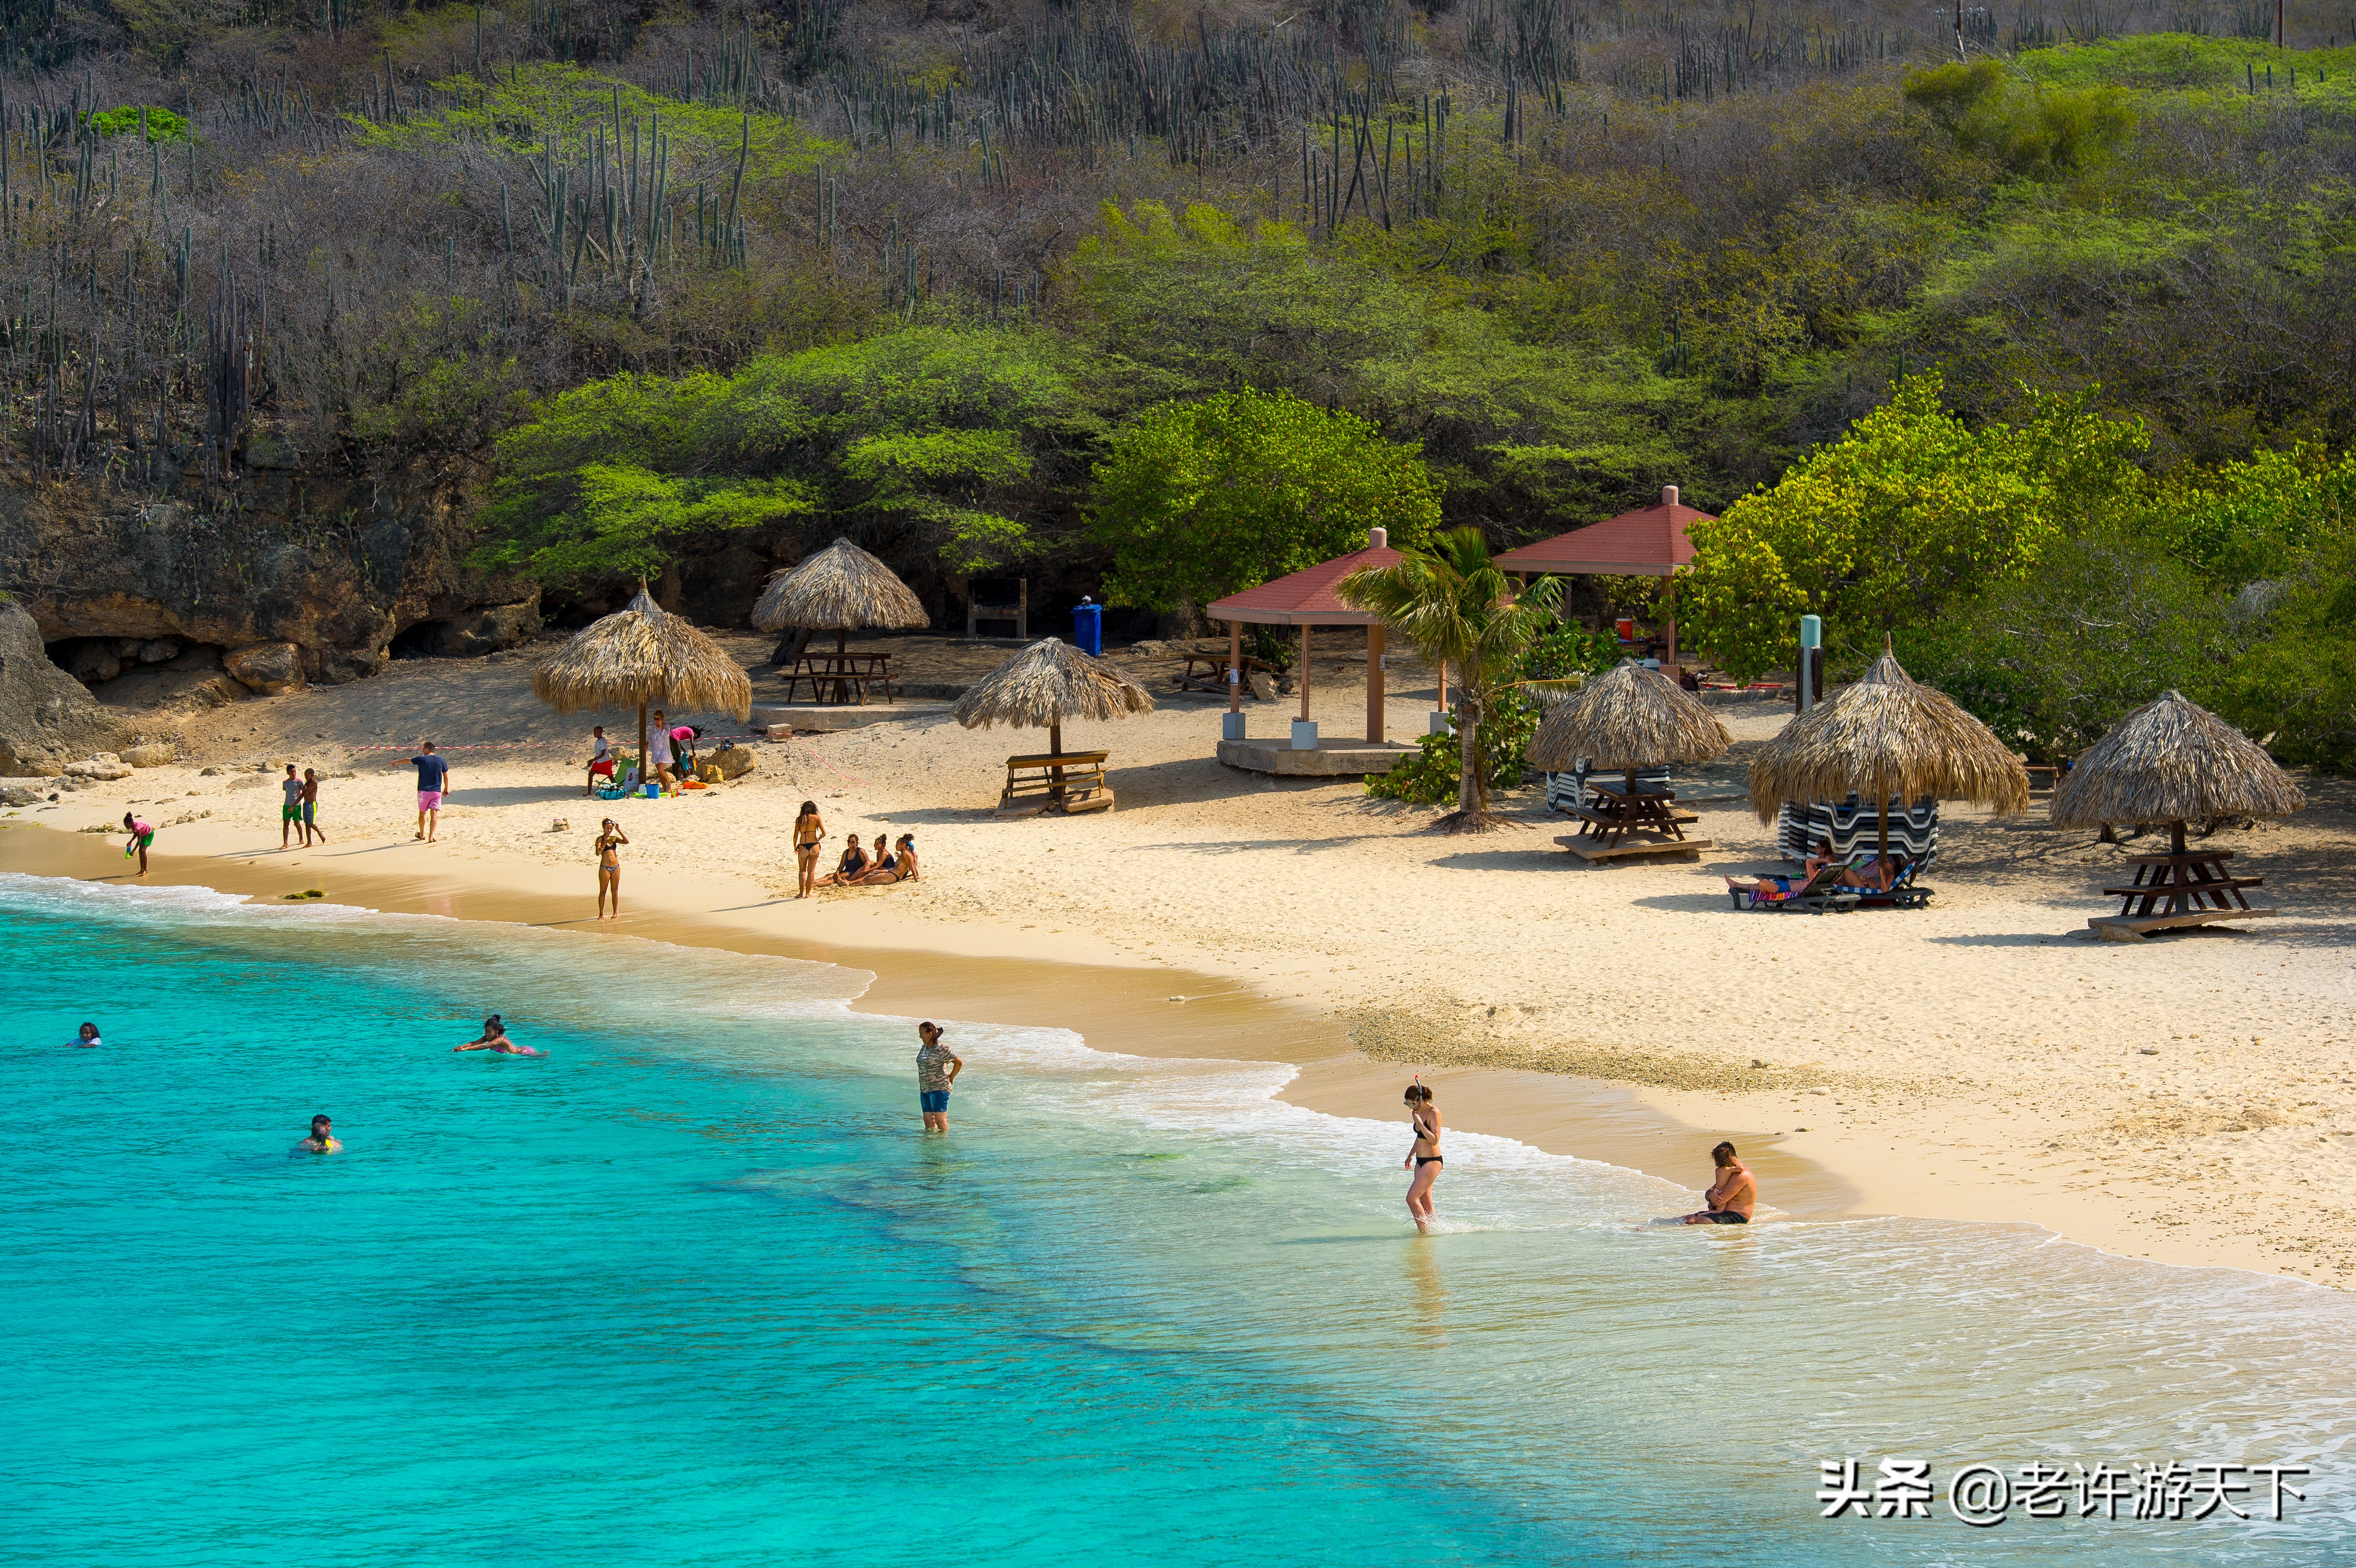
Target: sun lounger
pixel 1814 895
pixel 1903 892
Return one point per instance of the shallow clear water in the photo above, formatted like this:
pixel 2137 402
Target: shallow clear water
pixel 694 1289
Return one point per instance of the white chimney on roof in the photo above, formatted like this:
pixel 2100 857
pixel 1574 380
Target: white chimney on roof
pixel 1378 538
pixel 1668 495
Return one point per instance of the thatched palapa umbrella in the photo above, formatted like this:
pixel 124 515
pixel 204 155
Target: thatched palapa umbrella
pixel 1046 684
pixel 1885 735
pixel 1626 718
pixel 840 589
pixel 643 654
pixel 2172 761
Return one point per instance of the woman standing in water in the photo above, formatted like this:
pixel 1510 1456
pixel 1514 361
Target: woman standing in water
pixel 1423 1159
pixel 809 831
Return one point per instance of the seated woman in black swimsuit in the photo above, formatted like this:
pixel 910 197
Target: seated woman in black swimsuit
pixel 849 869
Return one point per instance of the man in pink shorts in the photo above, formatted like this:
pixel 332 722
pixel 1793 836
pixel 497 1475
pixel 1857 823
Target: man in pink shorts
pixel 432 783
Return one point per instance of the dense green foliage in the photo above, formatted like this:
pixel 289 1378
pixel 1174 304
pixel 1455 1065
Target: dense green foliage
pixel 927 438
pixel 1197 500
pixel 689 279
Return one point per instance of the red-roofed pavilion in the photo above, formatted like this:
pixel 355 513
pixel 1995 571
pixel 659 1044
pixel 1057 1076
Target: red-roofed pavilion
pixel 1648 543
pixel 1306 598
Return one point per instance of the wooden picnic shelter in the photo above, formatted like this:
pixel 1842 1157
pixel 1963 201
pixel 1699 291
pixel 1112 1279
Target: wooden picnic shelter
pixel 1647 542
pixel 643 655
pixel 1039 688
pixel 840 589
pixel 1886 738
pixel 1305 599
pixel 2173 761
pixel 1625 719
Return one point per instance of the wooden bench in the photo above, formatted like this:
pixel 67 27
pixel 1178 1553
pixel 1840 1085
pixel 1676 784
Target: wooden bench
pixel 1066 780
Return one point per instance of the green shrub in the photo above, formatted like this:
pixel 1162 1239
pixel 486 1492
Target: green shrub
pixel 162 126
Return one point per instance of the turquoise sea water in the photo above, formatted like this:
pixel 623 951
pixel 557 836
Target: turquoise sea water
pixel 696 1290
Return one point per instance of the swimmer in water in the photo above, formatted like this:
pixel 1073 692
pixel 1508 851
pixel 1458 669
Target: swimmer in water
pixel 322 1139
pixel 495 1038
pixel 88 1037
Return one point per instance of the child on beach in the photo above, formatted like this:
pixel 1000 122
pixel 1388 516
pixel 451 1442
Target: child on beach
pixel 142 835
pixel 290 813
pixel 937 1072
pixel 809 831
pixel 1423 1156
pixel 609 866
pixel 601 759
pixel 311 808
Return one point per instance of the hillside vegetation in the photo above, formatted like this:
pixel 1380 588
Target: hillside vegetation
pixel 2061 305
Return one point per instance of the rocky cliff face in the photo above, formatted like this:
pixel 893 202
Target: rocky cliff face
pixel 46 719
pixel 338 566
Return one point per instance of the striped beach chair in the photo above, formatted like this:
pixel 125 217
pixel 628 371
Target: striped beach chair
pixel 1853 827
pixel 1568 791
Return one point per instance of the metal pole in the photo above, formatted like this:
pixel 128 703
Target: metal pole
pixel 1304 669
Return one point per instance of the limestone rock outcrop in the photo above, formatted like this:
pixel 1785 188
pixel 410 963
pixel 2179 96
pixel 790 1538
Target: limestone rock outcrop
pixel 272 669
pixel 46 717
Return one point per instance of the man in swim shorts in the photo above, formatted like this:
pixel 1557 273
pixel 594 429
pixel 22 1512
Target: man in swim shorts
pixel 311 806
pixel 432 783
pixel 937 1070
pixel 290 814
pixel 322 1139
pixel 1731 1197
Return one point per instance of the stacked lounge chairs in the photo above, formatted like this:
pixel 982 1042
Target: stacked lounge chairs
pixel 1569 791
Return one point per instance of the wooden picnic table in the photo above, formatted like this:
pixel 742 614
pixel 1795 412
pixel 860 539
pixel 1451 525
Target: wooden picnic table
pixel 1075 779
pixel 1619 810
pixel 2186 884
pixel 844 673
pixel 1214 672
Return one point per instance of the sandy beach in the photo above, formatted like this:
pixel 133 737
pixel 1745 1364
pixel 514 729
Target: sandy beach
pixel 2190 1099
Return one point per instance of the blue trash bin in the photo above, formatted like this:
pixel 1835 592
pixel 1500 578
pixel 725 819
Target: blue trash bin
pixel 1087 628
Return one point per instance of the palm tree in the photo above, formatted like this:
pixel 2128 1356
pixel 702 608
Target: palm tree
pixel 1461 611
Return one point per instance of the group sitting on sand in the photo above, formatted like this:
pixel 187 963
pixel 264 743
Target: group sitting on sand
pixel 857 867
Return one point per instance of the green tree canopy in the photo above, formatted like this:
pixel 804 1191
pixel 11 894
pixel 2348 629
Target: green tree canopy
pixel 1200 499
pixel 1908 514
pixel 930 439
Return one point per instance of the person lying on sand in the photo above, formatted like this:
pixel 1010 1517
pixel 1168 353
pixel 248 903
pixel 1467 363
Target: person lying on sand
pixel 322 1140
pixel 849 868
pixel 495 1038
pixel 1730 1198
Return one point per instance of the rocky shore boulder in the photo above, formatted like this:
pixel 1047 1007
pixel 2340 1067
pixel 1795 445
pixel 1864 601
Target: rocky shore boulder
pixel 269 667
pixel 46 717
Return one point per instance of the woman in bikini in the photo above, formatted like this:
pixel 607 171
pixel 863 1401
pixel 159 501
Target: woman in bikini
pixel 809 831
pixel 609 867
pixel 1423 1159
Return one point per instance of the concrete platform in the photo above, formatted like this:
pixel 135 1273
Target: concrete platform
pixel 1589 848
pixel 2132 928
pixel 806 718
pixel 1331 759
